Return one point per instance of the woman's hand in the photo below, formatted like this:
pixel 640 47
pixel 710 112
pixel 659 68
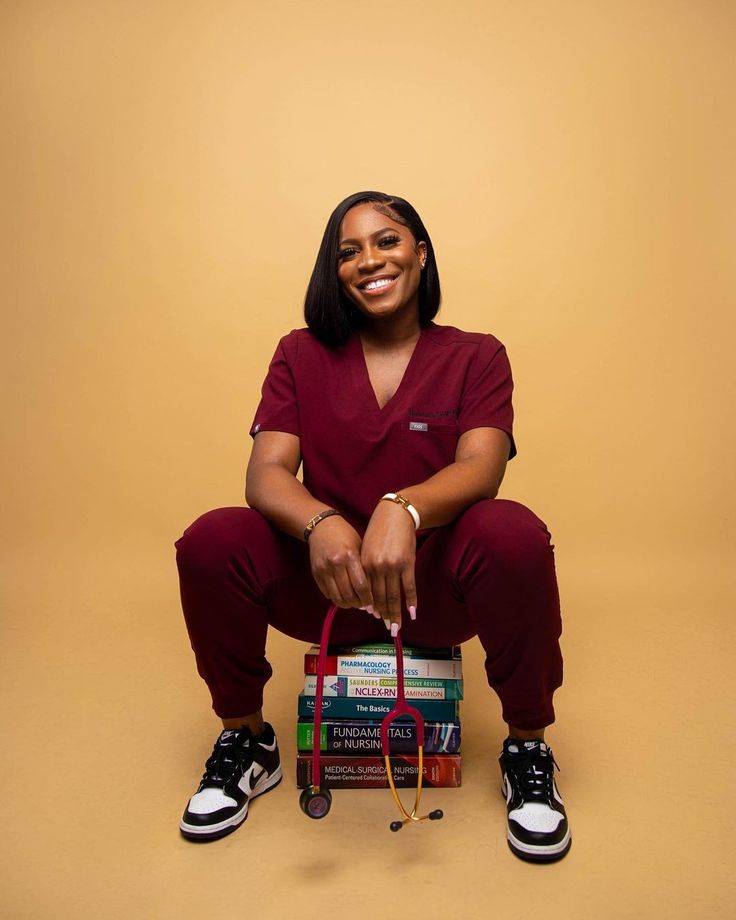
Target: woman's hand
pixel 387 555
pixel 334 555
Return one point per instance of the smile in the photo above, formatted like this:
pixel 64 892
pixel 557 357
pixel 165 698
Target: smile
pixel 378 286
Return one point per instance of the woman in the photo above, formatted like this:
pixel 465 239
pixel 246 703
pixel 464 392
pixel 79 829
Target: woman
pixel 376 399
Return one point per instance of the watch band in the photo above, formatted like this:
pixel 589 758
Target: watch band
pixel 400 499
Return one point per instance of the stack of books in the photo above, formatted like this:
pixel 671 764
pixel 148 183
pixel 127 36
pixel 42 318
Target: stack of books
pixel 359 689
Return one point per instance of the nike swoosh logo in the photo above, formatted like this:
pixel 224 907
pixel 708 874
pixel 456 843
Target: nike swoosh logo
pixel 268 747
pixel 247 781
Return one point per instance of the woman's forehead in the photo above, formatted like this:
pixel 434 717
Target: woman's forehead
pixel 365 219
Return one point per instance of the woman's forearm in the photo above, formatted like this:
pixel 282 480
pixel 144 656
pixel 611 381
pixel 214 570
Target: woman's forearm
pixel 281 498
pixel 442 497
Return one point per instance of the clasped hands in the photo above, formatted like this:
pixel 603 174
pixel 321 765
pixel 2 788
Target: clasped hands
pixel 370 573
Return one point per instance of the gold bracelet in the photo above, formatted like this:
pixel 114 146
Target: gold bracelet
pixel 405 503
pixel 316 519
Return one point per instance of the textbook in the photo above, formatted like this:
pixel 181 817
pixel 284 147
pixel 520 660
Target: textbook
pixel 352 708
pixel 364 737
pixel 441 770
pixel 415 688
pixel 380 661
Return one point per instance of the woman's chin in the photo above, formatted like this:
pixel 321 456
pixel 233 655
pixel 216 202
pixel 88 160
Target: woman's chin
pixel 383 311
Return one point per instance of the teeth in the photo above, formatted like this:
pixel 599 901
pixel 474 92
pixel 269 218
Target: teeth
pixel 372 285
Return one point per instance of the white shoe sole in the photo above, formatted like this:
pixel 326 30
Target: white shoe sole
pixel 213 831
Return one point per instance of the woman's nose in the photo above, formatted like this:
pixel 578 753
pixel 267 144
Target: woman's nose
pixel 369 258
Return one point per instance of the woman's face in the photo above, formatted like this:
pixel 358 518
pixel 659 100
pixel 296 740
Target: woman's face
pixel 379 263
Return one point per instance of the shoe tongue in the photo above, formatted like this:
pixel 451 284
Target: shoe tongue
pixel 524 747
pixel 231 735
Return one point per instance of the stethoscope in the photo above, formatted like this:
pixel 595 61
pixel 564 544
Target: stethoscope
pixel 315 801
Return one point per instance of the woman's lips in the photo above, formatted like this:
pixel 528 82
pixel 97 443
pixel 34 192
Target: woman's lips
pixel 381 286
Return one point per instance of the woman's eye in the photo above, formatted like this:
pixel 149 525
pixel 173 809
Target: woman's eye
pixel 383 242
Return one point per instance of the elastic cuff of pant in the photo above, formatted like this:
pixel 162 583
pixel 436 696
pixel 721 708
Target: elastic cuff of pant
pixel 530 721
pixel 234 710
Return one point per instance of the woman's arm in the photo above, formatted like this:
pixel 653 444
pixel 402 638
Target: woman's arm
pixel 271 487
pixel 389 545
pixel 480 463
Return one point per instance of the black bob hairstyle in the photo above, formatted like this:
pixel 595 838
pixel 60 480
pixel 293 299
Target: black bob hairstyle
pixel 330 315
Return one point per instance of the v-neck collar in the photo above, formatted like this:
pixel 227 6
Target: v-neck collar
pixel 409 372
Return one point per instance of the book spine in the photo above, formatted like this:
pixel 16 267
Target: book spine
pixel 385 666
pixel 387 649
pixel 439 770
pixel 416 688
pixel 364 737
pixel 351 708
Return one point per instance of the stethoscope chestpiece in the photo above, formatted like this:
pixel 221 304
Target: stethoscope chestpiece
pixel 315 802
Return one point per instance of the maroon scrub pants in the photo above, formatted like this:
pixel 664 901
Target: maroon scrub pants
pixel 489 573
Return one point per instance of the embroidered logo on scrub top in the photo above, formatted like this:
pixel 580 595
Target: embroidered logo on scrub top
pixel 442 414
pixel 418 426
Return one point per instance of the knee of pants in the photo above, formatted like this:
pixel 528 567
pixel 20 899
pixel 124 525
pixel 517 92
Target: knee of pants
pixel 212 539
pixel 508 533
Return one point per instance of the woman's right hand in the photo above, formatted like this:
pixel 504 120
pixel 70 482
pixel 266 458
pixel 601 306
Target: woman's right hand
pixel 334 555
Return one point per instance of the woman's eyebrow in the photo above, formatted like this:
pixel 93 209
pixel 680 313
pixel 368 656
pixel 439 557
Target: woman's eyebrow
pixel 377 233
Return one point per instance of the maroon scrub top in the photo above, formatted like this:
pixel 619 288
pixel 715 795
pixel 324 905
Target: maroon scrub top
pixel 354 452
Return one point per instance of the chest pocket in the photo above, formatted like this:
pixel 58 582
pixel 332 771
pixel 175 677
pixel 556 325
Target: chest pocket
pixel 427 446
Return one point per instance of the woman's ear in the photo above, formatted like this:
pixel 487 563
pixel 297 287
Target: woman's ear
pixel 422 253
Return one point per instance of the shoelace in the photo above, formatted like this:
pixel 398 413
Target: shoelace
pixel 226 758
pixel 532 784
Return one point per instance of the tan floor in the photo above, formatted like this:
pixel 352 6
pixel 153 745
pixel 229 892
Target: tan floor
pixel 109 727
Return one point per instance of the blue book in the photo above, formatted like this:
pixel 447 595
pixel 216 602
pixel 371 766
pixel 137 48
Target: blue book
pixel 337 707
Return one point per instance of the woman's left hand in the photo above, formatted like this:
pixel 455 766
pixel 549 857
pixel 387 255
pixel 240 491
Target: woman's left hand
pixel 387 555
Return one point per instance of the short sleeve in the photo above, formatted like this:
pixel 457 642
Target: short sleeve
pixel 486 400
pixel 277 410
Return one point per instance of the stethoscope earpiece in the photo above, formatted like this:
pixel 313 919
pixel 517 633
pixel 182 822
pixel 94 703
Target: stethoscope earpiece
pixel 433 816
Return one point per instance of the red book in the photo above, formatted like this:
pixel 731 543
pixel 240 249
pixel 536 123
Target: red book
pixel 350 772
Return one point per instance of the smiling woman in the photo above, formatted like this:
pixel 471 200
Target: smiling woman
pixel 369 236
pixel 404 428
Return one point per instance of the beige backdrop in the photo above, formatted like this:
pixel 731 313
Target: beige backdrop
pixel 169 168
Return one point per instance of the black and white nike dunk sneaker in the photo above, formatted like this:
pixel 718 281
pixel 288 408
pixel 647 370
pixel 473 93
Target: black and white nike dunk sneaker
pixel 241 766
pixel 537 823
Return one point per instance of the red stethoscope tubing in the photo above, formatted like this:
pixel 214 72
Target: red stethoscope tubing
pixel 316 802
pixel 401 707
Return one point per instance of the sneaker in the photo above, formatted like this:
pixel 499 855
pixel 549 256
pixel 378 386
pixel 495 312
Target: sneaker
pixel 537 823
pixel 241 766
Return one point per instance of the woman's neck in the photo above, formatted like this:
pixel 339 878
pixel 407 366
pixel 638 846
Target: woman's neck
pixel 394 332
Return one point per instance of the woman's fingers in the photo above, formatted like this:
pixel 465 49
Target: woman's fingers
pixel 378 589
pixel 360 584
pixel 340 587
pixel 328 587
pixel 393 600
pixel 387 597
pixel 410 590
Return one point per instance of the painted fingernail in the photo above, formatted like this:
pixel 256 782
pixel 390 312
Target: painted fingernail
pixel 369 608
pixel 394 629
pixel 362 608
pixel 413 613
